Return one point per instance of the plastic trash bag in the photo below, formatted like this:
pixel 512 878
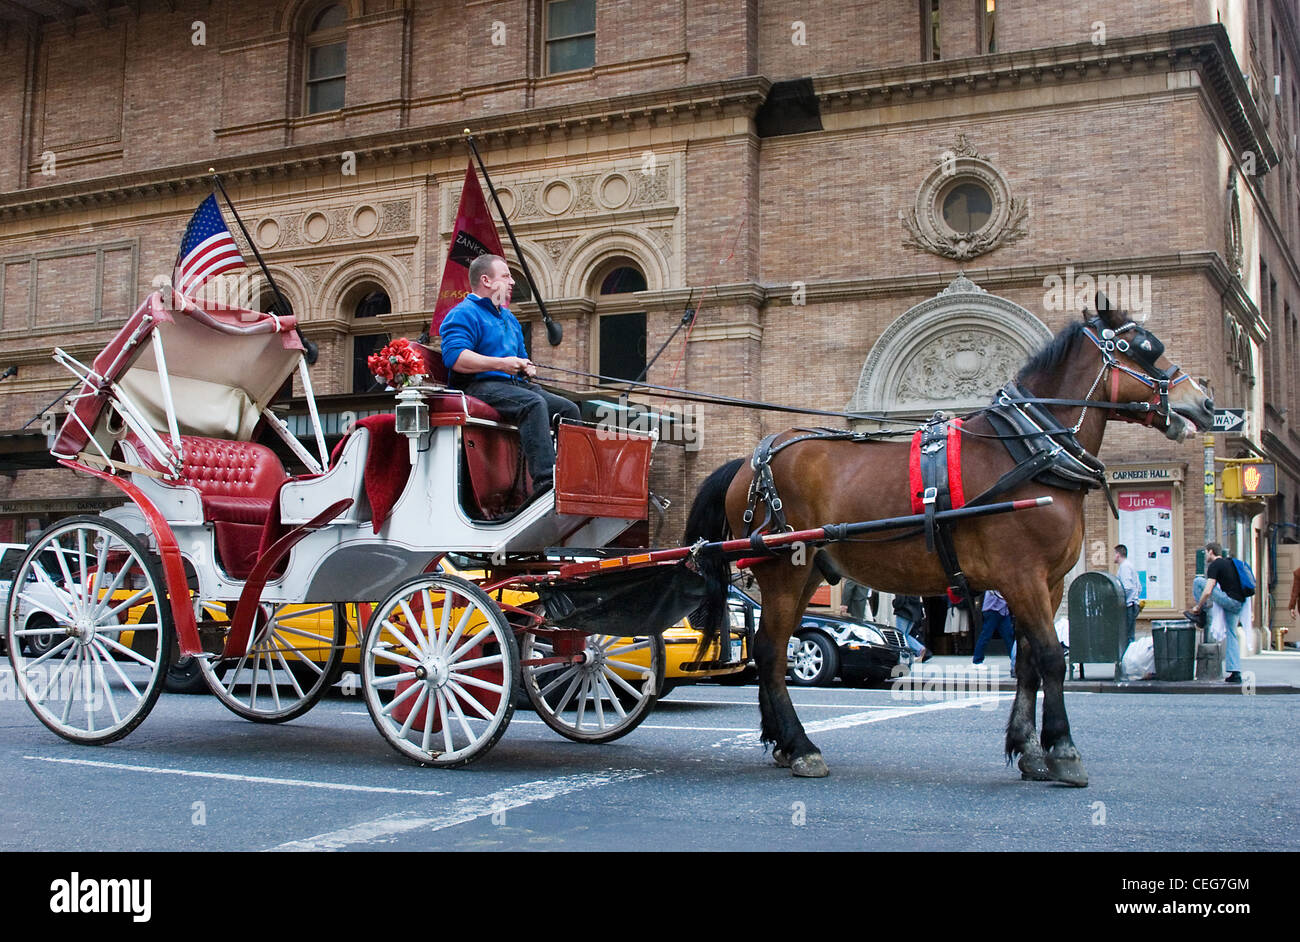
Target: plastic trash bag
pixel 1139 660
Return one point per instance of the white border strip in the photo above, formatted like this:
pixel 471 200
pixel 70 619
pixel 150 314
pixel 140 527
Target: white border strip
pixel 252 779
pixel 462 812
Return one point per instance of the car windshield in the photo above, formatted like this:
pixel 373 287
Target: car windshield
pixel 9 564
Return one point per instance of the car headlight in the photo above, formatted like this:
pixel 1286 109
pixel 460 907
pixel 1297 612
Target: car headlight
pixel 866 635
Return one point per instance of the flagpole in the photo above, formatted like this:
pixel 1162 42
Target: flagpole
pixel 312 351
pixel 554 333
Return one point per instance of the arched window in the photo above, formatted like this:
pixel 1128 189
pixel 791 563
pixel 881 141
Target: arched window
pixel 623 280
pixel 365 303
pixel 621 328
pixel 326 60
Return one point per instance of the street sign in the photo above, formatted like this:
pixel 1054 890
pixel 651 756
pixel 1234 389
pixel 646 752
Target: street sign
pixel 1229 420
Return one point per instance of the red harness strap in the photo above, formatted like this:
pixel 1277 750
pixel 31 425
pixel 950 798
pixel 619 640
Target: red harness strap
pixel 916 488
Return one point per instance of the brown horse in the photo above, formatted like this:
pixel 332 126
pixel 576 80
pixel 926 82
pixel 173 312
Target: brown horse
pixel 1107 360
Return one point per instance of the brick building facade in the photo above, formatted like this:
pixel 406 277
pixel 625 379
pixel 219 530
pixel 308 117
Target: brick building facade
pixel 816 179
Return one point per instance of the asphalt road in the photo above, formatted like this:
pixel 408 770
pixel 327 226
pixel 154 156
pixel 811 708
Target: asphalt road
pixel 1168 773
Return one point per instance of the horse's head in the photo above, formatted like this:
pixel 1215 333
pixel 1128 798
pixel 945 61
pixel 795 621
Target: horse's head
pixel 1140 372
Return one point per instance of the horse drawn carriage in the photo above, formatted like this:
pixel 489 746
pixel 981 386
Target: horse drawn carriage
pixel 217 539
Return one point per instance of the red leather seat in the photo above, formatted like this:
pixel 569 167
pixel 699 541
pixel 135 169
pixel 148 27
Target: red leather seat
pixel 237 484
pixel 454 409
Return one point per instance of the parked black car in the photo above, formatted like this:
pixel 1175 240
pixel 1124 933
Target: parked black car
pixel 830 646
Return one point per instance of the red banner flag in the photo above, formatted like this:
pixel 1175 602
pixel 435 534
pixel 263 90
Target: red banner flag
pixel 475 234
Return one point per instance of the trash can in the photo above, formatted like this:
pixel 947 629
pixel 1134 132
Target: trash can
pixel 1097 625
pixel 1174 644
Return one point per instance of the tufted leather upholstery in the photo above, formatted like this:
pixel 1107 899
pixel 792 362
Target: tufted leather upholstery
pixel 237 482
pixel 233 477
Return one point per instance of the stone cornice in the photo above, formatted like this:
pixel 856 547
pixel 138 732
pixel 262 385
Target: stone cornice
pixel 1203 47
pixel 732 97
pixel 1208 263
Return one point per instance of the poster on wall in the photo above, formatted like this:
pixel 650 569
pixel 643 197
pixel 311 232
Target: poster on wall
pixel 1146 527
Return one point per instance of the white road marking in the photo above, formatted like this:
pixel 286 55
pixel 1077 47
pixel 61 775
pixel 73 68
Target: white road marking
pixel 688 729
pixel 873 716
pixel 253 779
pixel 461 812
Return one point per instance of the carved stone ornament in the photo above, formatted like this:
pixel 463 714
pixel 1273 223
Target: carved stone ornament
pixel 950 352
pixel 929 231
pixel 1232 228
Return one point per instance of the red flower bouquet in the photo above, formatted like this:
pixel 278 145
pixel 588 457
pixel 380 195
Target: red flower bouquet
pixel 398 364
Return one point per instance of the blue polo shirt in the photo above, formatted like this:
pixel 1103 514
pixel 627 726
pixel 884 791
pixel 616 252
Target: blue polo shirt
pixel 479 325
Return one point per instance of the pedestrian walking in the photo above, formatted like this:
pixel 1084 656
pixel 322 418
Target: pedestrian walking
pixel 1128 578
pixel 996 616
pixel 856 599
pixel 909 615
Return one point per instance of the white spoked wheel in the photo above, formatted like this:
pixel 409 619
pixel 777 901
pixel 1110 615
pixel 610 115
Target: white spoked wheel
pixel 438 668
pixel 88 685
pixel 294 654
pixel 604 696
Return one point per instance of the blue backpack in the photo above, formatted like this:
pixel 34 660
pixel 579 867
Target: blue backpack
pixel 1245 577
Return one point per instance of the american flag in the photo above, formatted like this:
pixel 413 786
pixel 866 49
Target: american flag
pixel 207 249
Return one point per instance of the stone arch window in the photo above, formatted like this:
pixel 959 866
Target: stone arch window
pixel 520 293
pixel 620 348
pixel 325 59
pixel 362 305
pixel 951 352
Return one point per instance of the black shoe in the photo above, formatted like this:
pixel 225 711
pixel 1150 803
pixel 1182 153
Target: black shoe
pixel 1196 618
pixel 1233 678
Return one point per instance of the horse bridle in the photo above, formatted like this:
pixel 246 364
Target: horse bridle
pixel 1144 349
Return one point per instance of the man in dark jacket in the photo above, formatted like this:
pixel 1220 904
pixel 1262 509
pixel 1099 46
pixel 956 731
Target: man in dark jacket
pixel 909 614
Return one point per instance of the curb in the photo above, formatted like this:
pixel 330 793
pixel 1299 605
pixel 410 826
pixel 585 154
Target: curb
pixel 948 684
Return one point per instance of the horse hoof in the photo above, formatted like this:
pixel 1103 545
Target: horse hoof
pixel 781 759
pixel 1066 767
pixel 810 766
pixel 1033 768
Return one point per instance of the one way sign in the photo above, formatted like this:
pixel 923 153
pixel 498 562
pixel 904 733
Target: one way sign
pixel 1229 420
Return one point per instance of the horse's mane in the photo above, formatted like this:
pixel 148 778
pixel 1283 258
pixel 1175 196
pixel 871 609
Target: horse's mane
pixel 1053 354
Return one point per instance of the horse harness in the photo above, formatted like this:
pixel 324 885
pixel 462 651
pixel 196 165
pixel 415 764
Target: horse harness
pixel 1044 450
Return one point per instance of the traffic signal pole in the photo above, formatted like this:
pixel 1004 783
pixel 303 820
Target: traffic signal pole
pixel 1210 506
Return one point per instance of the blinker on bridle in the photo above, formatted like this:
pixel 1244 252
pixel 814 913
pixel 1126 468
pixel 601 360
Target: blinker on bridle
pixel 1144 349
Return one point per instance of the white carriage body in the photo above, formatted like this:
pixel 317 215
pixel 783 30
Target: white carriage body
pixel 176 373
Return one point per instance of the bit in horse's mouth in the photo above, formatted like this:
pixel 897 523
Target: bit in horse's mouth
pixel 1177 428
pixel 1182 420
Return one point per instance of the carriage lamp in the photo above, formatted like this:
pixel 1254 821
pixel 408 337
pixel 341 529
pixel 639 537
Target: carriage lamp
pixel 412 417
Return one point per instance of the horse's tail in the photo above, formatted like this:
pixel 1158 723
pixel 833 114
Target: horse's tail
pixel 708 521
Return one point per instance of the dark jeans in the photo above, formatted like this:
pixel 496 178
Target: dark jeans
pixel 530 407
pixel 994 621
pixel 1130 621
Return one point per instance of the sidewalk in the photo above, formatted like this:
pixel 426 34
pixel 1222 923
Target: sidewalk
pixel 1269 672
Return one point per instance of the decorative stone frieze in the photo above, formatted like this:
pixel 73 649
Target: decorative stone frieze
pixel 951 352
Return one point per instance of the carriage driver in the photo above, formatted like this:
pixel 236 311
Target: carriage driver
pixel 483 342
